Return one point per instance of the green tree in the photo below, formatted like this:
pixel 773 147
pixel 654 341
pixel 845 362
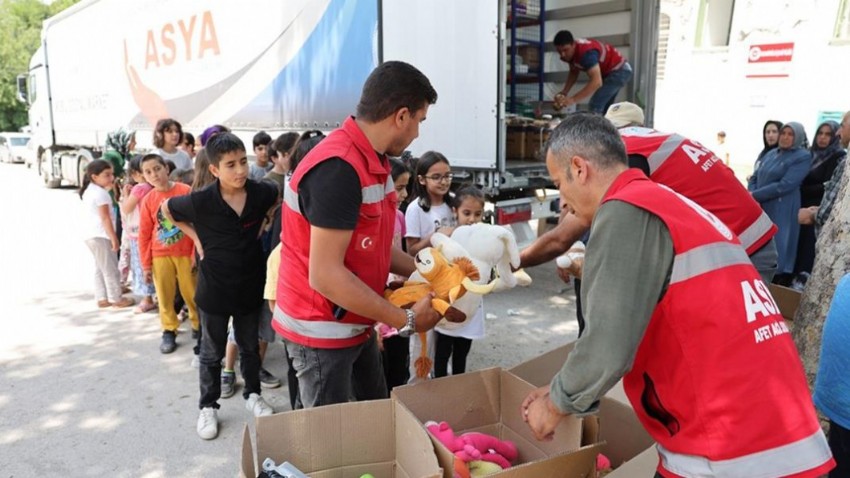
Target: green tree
pixel 20 36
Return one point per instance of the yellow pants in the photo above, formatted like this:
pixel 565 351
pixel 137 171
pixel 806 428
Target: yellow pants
pixel 168 273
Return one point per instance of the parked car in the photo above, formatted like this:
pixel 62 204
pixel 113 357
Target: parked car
pixel 13 147
pixel 30 154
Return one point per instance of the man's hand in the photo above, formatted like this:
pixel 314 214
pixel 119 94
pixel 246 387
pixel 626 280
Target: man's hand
pixel 426 316
pixel 148 276
pixel 200 249
pixel 540 414
pixel 806 215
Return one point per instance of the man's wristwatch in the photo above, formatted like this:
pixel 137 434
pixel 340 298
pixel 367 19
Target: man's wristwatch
pixel 410 327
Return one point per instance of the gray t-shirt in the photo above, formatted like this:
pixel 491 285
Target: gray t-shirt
pixel 627 269
pixel 180 158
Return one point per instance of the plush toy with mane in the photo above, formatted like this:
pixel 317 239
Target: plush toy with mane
pixel 473 447
pixel 449 280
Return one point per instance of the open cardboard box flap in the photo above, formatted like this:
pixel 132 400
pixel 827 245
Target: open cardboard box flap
pixel 338 441
pixel 489 401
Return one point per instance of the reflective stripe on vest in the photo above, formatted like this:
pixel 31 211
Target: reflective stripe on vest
pixel 318 329
pixel 784 460
pixel 756 230
pixel 371 195
pixel 657 158
pixel 707 258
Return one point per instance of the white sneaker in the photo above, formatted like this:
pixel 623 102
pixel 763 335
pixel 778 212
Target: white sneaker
pixel 208 423
pixel 256 405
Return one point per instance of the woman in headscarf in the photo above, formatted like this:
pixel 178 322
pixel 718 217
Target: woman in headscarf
pixel 775 184
pixel 826 153
pixel 119 143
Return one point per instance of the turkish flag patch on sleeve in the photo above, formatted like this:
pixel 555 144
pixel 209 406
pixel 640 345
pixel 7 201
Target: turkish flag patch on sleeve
pixel 364 243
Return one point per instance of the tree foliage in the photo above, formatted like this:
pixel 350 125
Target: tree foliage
pixel 20 35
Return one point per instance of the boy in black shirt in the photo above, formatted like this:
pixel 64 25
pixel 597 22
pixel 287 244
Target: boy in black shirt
pixel 224 220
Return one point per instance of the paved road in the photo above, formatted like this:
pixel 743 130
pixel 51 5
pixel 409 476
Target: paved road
pixel 85 392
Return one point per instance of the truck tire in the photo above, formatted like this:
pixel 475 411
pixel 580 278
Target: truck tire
pixel 44 161
pixel 82 164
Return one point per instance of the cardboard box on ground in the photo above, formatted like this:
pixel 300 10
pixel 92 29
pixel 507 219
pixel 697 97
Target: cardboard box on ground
pixel 488 401
pixel 787 299
pixel 625 442
pixel 343 441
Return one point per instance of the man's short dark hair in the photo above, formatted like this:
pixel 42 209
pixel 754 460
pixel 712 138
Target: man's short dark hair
pixel 391 86
pixel 262 138
pixel 563 37
pixel 590 136
pixel 221 144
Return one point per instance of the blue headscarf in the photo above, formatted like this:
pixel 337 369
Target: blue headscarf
pixel 833 149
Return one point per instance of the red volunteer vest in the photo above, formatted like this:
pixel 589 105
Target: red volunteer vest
pixel 716 380
pixel 302 315
pixel 695 172
pixel 609 58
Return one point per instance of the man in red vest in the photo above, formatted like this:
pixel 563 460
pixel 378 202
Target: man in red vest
pixel 688 168
pixel 607 71
pixel 338 216
pixel 676 309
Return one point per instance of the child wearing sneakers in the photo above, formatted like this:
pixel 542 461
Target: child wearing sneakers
pixel 167 253
pixel 225 218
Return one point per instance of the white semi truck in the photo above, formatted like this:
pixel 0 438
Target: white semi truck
pixel 300 64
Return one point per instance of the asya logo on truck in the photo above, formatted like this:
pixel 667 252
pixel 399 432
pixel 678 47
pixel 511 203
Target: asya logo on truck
pixel 187 39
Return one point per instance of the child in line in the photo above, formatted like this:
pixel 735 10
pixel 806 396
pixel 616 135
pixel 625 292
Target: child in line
pixel 280 152
pixel 167 137
pixel 132 195
pixel 225 219
pixel 167 253
pixel 430 212
pixel 100 235
pixel 261 165
pixel 202 176
pixel 188 144
pixel 457 342
pixel 395 349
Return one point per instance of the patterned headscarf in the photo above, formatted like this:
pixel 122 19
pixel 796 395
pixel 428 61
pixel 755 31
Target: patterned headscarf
pixel 119 140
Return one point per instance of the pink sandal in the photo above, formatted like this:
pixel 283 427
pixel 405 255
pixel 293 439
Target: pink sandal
pixel 144 306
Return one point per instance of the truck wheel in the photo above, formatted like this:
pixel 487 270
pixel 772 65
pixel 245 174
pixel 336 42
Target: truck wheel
pixel 82 164
pixel 51 183
pixel 44 161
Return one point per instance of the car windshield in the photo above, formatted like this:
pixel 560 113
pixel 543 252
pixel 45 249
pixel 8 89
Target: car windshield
pixel 19 141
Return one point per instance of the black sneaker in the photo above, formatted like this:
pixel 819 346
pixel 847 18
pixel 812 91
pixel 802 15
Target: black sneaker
pixel 169 342
pixel 267 380
pixel 196 334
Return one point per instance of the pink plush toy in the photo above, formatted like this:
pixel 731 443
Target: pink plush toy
pixel 474 446
pixel 491 448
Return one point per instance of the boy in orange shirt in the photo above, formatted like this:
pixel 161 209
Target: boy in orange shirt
pixel 167 253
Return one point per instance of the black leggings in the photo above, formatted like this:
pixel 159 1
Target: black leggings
pixel 447 346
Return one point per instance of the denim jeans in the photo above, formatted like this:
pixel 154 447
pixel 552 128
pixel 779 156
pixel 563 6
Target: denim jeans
pixel 328 376
pixel 213 343
pixel 611 85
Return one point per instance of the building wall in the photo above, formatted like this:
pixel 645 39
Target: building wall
pixel 705 89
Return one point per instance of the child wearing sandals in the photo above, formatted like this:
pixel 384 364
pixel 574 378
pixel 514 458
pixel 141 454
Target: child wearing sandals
pixel 100 235
pixel 131 197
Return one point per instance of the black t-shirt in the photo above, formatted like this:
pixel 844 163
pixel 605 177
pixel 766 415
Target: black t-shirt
pixel 232 274
pixel 330 196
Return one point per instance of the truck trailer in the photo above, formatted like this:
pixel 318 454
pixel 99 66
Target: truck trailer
pixel 300 64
